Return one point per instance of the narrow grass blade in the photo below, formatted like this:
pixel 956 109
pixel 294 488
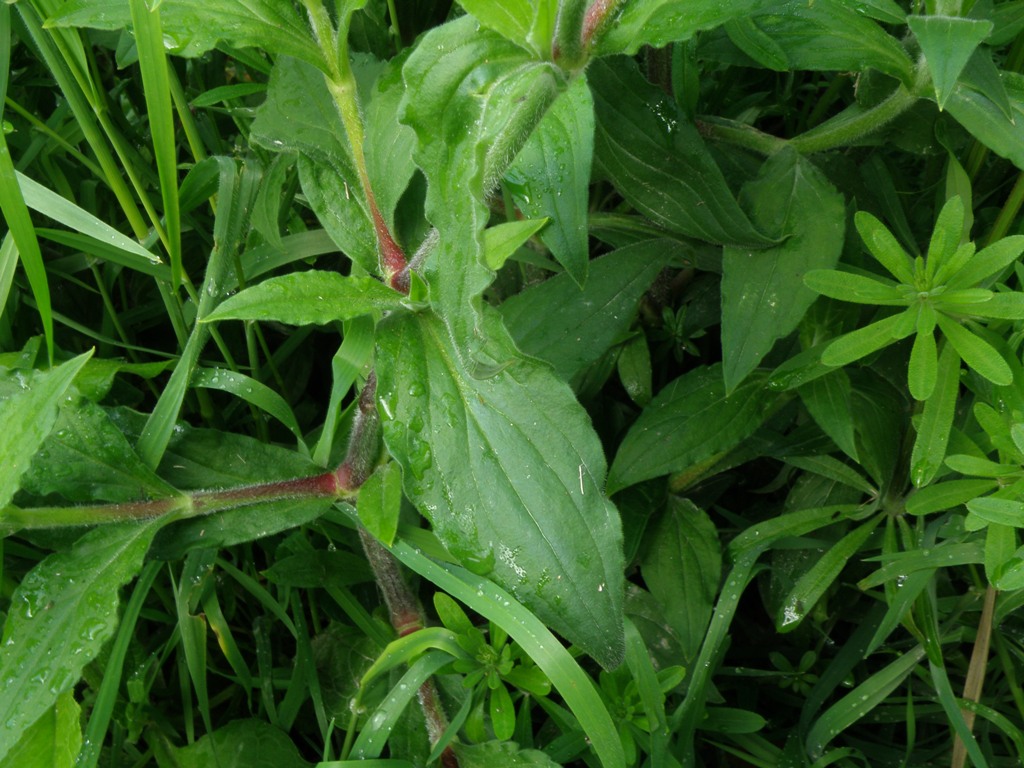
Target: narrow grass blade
pixel 253 392
pixel 492 602
pixel 353 355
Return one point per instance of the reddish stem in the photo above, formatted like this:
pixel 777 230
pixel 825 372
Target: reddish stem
pixel 393 262
pixel 597 14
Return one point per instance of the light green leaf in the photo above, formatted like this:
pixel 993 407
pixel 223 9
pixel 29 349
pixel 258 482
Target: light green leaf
pixel 682 569
pixel 948 495
pixel 61 615
pixel 500 754
pixel 848 286
pixel 53 740
pixel 658 161
pixel 26 418
pixel 763 298
pixel 988 262
pixel 689 421
pixel 863 341
pixel 924 361
pixel 512 19
pixel 936 420
pixel 472 98
pixel 193 27
pixel 979 355
pixel 658 22
pixel 949 231
pixel 380 501
pixel 299 115
pixel 979 467
pixel 502 240
pixel 1001 306
pixel 884 247
pixel 513 482
pixel 550 177
pixel 947 43
pixel 303 298
pixel 570 328
pixel 988 509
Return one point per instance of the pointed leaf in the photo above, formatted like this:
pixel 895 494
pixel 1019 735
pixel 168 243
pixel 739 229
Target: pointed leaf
pixel 924 360
pixel 947 43
pixel 763 296
pixel 999 511
pixel 502 240
pixel 551 175
pixel 948 495
pixel 304 298
pixel 848 286
pixel 26 417
pixel 658 161
pixel 978 110
pixel 863 341
pixel 380 500
pixel 979 355
pixel 1001 306
pixel 61 615
pixel 509 18
pixel 827 399
pixel 884 247
pixel 690 421
pixel 936 420
pixel 510 473
pixel 988 262
pixel 948 232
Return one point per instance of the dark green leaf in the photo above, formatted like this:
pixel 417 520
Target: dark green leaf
pixel 500 754
pixel 682 569
pixel 61 615
pixel 980 113
pixel 510 473
pixel 26 417
pixel 570 328
pixel 828 401
pixel 299 115
pixel 658 161
pixel 657 22
pixel 936 421
pixel 239 744
pixel 947 43
pixel 948 495
pixel 302 298
pixel 763 295
pixel 319 567
pixel 924 360
pixel 551 175
pixel 193 27
pixel 690 421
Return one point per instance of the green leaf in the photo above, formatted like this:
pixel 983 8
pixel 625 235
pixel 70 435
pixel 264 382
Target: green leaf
pixel 193 27
pixel 513 481
pixel 988 262
pixel 472 98
pixel 658 22
pixel 389 144
pixel 924 361
pixel 658 161
pixel 550 177
pixel 981 114
pixel 988 509
pixel 688 422
pixel 936 420
pixel 53 740
pixel 500 754
pixel 948 495
pixel 570 328
pixel 512 19
pixel 503 240
pixel 979 355
pixel 884 247
pixel 863 341
pixel 827 35
pixel 947 43
pixel 251 391
pixel 26 418
pixel 380 501
pixel 949 230
pixel 1001 306
pixel 300 115
pixel 763 296
pixel 61 615
pixel 849 286
pixel 303 298
pixel 682 569
pixel 239 744
pixel 827 399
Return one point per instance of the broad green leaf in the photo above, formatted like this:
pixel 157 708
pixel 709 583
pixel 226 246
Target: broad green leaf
pixel 61 615
pixel 510 473
pixel 500 754
pixel 239 744
pixel 689 421
pixel 924 361
pixel 302 298
pixel 193 27
pixel 763 295
pixel 570 328
pixel 472 98
pixel 550 177
pixel 26 418
pixel 86 458
pixel 53 740
pixel 300 115
pixel 863 341
pixel 947 43
pixel 979 355
pixel 380 501
pixel 887 11
pixel 658 161
pixel 827 35
pixel 980 113
pixel 682 569
pixel 937 420
pixel 502 240
pixel 884 247
pixel 827 399
pixel 658 22
pixel 820 576
pixel 512 19
pixel 849 286
pixel 988 262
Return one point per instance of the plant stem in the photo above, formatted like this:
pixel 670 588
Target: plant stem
pixel 740 135
pixel 976 671
pixel 1008 213
pixel 855 123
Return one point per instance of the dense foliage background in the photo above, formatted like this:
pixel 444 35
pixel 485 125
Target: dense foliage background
pixel 687 331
